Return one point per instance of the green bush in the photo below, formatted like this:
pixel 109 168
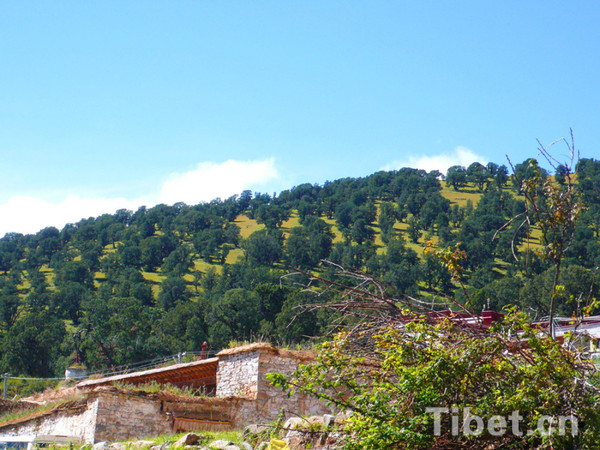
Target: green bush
pixel 392 378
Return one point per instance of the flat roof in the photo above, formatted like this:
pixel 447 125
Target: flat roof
pixel 195 373
pixel 268 348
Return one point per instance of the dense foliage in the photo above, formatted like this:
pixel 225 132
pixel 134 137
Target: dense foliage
pixel 130 286
pixel 508 387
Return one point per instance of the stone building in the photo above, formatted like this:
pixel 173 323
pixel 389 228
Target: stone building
pixel 235 383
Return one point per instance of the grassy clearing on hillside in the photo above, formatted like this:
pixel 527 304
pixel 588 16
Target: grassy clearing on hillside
pixel 500 266
pixel 461 197
pixel 49 274
pixel 24 285
pixel 402 230
pixel 337 234
pixel 534 243
pixel 234 255
pixel 293 221
pixel 154 277
pixel 203 266
pixel 110 248
pixel 247 225
pixel 100 276
pixel 379 244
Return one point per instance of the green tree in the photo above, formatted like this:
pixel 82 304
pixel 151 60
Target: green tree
pixel 343 215
pixel 67 301
pixel 352 256
pixel 528 170
pixel 577 286
pixel 501 177
pixel 264 248
pixel 151 254
pixel 119 330
pixel 477 174
pixel 131 255
pixel 292 324
pixel 556 209
pixel 456 176
pixel 32 345
pixel 9 306
pixel 233 316
pixel 298 249
pixel 173 290
pixel 588 183
pixel 361 232
pixel 272 216
pixel 398 267
pixel 75 272
pixel 387 219
pixel 436 276
pixel 179 262
pixel 414 229
pixel 48 243
pixel 185 326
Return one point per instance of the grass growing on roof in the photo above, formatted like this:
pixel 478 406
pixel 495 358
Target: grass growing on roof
pixel 31 412
pixel 154 387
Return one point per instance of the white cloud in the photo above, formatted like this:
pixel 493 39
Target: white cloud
pixel 461 156
pixel 28 214
pixel 211 180
pixel 24 214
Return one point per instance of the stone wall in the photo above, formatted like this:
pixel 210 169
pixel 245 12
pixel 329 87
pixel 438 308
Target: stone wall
pixel 121 417
pixel 78 421
pixel 271 399
pixel 244 396
pixel 233 412
pixel 242 373
pixel 102 415
pixel 237 374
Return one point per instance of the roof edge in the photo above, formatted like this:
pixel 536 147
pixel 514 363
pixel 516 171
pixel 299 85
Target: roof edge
pixel 266 348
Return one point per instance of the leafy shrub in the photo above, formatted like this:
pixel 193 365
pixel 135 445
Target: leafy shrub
pixel 392 378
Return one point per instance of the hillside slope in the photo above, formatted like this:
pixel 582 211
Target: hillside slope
pixel 134 285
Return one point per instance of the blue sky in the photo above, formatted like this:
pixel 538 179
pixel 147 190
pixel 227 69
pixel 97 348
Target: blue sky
pixel 105 105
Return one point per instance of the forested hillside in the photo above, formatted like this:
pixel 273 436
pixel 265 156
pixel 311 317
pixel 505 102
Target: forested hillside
pixel 131 286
